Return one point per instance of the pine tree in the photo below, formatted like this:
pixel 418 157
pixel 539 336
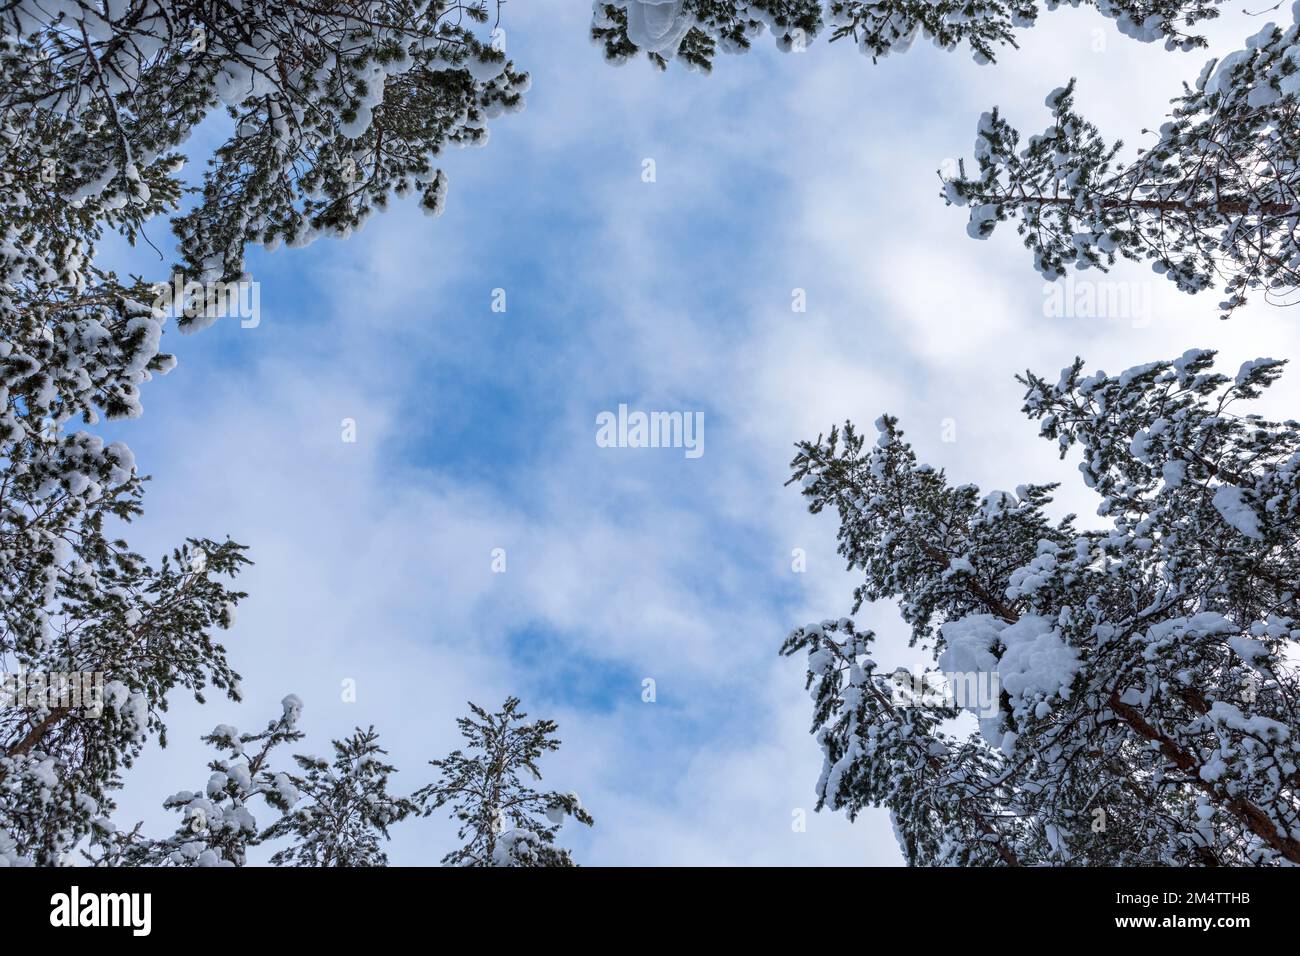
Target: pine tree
pixel 336 108
pixel 503 821
pixel 217 822
pixel 693 31
pixel 347 810
pixel 99 641
pixel 1213 198
pixel 1134 686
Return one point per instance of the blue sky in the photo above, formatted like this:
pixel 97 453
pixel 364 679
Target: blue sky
pixel 476 430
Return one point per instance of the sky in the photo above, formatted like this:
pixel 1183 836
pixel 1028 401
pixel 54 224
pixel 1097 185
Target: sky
pixel 476 429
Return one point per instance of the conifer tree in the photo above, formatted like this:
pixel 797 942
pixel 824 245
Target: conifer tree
pixel 1134 686
pixel 336 109
pixel 1211 199
pixel 217 823
pixel 694 31
pixel 502 820
pixel 346 810
pixel 99 642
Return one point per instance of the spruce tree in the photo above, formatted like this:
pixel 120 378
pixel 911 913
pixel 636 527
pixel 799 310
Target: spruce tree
pixel 1134 685
pixel 1212 199
pixel 346 810
pixel 502 820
